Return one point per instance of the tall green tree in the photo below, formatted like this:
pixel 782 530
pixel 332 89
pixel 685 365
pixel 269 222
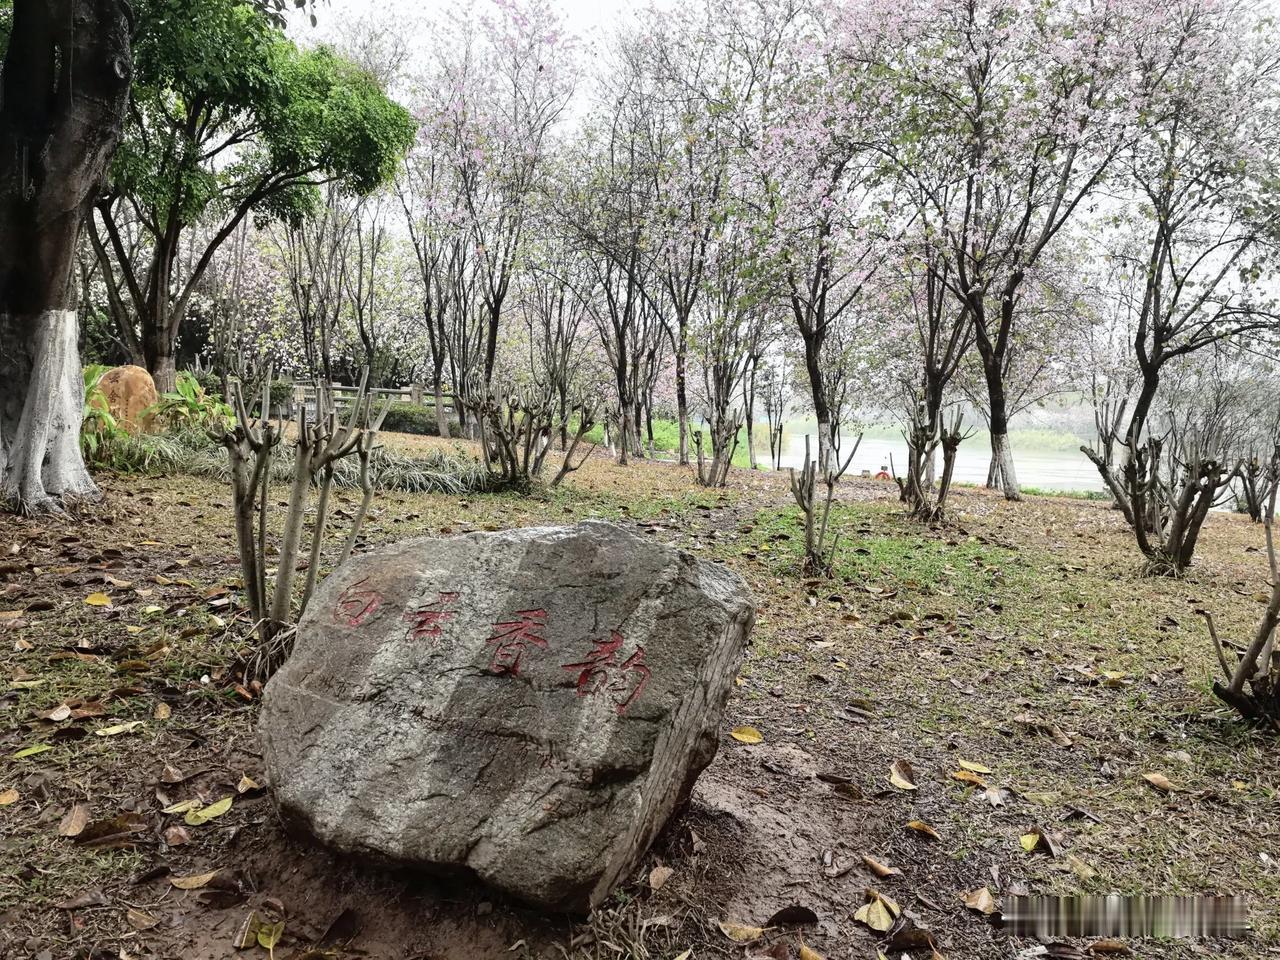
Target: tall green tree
pixel 227 119
pixel 64 91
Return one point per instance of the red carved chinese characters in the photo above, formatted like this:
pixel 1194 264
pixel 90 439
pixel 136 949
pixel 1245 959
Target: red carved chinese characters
pixel 429 621
pixel 514 636
pixel 357 603
pixel 601 673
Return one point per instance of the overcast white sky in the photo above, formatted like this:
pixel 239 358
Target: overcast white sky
pixel 586 18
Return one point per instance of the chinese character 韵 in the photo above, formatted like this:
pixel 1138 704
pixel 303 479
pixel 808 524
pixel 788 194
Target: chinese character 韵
pixel 600 673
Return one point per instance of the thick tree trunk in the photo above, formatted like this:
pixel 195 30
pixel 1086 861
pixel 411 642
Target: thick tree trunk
pixel 65 86
pixel 442 418
pixel 1002 475
pixel 41 401
pixel 813 366
pixel 682 394
pixel 164 371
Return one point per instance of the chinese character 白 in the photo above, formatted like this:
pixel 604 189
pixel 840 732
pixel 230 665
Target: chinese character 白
pixel 428 621
pixel 357 603
pixel 601 673
pixel 513 636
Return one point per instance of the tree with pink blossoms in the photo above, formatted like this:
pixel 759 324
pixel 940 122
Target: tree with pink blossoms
pixel 503 77
pixel 1194 237
pixel 1005 116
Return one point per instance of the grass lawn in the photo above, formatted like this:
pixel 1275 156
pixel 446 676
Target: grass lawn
pixel 1019 640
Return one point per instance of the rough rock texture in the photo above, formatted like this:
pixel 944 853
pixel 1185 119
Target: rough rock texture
pixel 528 706
pixel 129 390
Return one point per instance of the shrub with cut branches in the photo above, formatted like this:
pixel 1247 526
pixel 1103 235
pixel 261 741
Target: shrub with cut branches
pixel 519 427
pixel 1167 482
pixel 816 507
pixel 322 441
pixel 1251 673
pixel 724 427
pixel 926 499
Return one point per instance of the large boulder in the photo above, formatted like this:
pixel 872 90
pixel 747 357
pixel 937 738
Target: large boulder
pixel 128 391
pixel 528 707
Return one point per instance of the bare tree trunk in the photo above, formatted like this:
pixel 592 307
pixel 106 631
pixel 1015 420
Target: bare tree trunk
pixel 682 397
pixel 58 129
pixel 442 418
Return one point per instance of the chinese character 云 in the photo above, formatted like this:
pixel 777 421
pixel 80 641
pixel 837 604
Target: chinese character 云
pixel 512 637
pixel 429 620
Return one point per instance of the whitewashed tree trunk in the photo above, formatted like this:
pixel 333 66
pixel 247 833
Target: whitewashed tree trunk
pixel 41 404
pixel 825 443
pixel 64 86
pixel 1002 475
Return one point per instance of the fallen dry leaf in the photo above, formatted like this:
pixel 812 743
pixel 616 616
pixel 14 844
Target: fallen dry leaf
pixel 1080 868
pixel 90 898
pixel 56 714
pixel 909 938
pixel 269 934
pixel 658 876
pixel 247 934
pixel 140 919
pixel 1036 839
pixel 919 826
pixel 974 767
pixel 247 784
pixel 195 818
pixel 98 600
pixel 176 836
pixel 74 821
pixel 746 734
pixel 740 933
pixel 879 869
pixel 901 775
pixel 878 913
pixel 119 831
pixel 1041 725
pixel 981 901
pixel 969 777
pixel 1159 781
pixel 194 881
pixel 996 796
pixel 808 953
pixel 119 728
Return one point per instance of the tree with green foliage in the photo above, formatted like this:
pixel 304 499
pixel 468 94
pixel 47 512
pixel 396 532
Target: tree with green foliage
pixel 64 92
pixel 227 119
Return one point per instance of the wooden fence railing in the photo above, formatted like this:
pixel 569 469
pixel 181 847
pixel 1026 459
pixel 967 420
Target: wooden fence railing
pixel 304 391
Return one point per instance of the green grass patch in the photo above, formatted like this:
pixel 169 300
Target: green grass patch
pixel 877 546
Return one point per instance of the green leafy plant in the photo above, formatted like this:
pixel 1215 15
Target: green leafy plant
pixel 190 406
pixel 99 430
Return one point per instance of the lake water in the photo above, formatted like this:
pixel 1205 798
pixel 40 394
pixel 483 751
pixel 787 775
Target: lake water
pixel 1047 470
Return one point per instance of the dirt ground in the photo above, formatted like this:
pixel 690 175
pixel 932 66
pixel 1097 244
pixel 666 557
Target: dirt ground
pixel 1015 659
